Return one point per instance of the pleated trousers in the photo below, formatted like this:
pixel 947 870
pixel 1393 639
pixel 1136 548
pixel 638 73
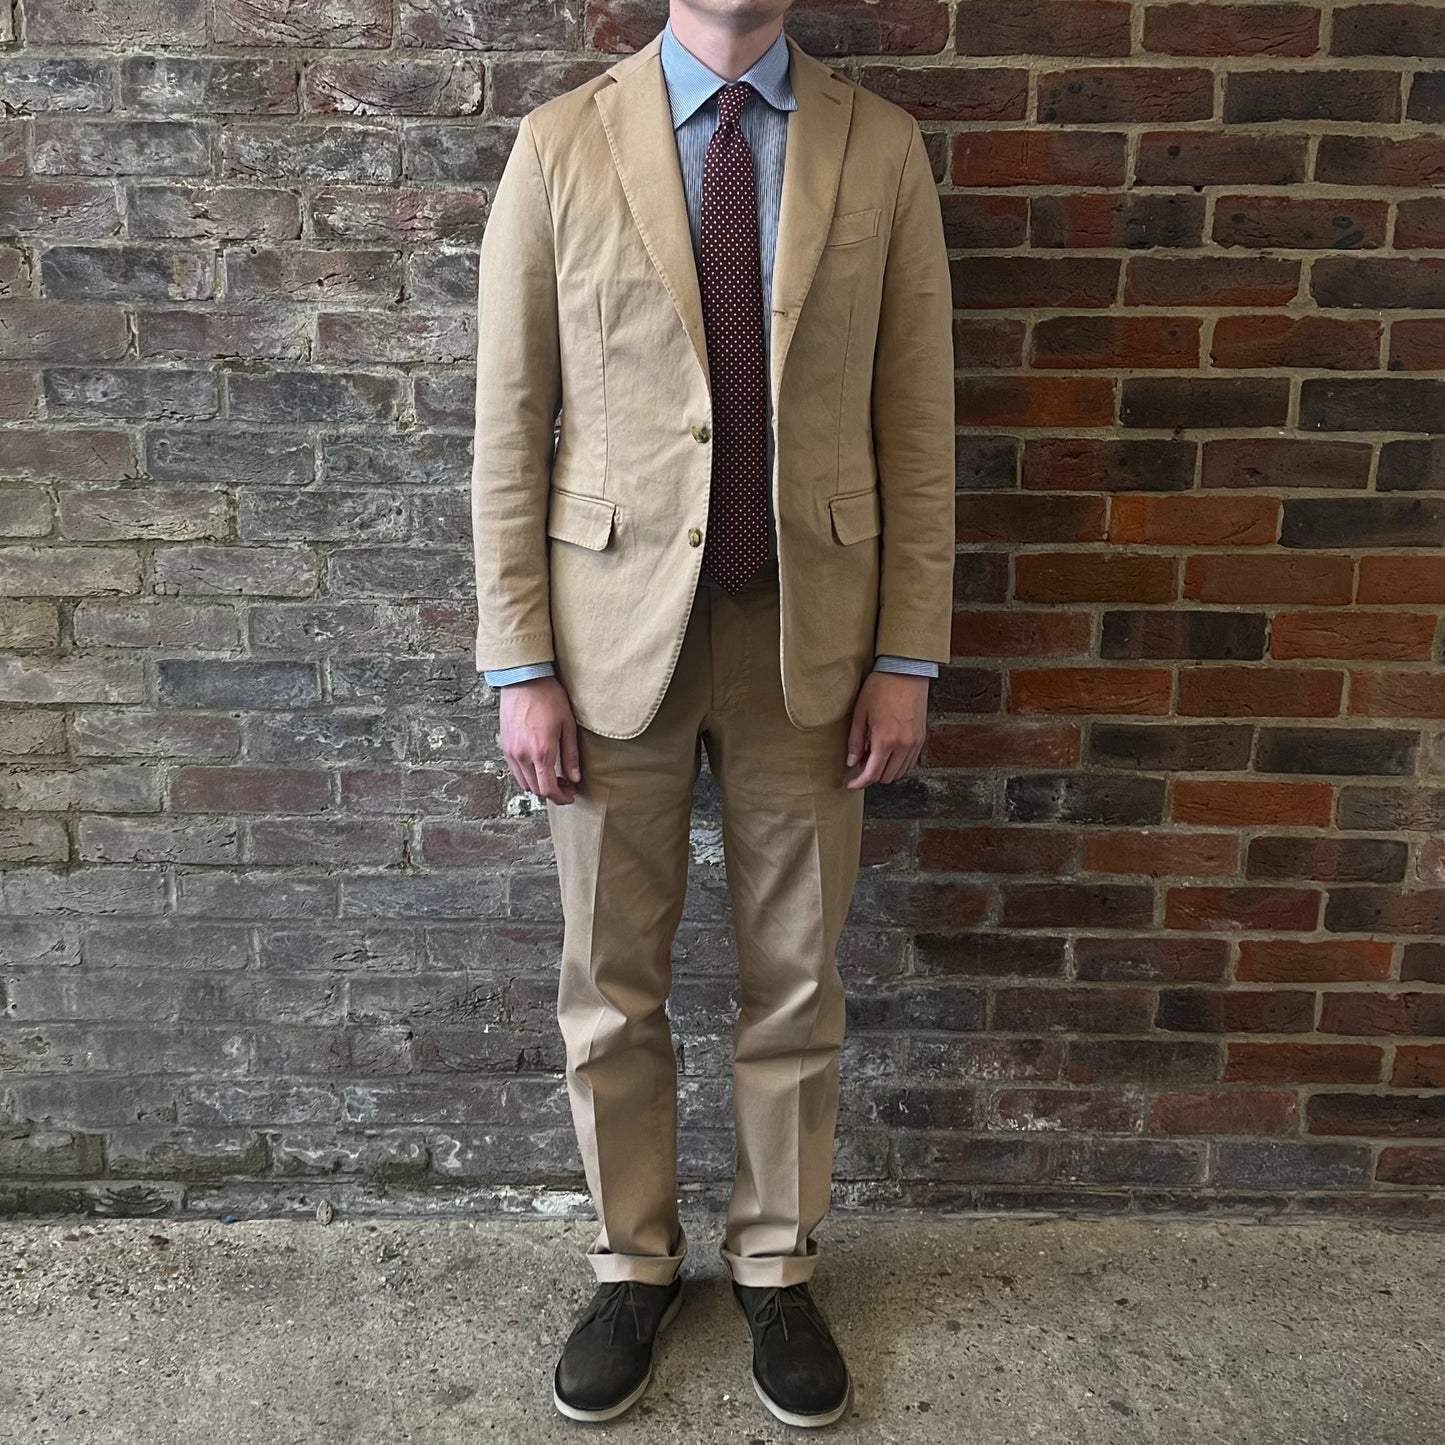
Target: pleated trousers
pixel 792 833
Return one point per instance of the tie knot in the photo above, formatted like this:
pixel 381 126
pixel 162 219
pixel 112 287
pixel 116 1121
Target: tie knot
pixel 731 99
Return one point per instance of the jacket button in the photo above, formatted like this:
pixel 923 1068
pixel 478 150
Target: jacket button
pixel 701 432
pixel 694 537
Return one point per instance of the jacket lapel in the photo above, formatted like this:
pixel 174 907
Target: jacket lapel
pixel 638 123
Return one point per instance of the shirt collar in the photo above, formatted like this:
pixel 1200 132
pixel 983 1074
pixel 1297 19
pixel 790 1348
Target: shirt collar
pixel 690 82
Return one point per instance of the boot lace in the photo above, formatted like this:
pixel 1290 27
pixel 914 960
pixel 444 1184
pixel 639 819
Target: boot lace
pixel 772 1307
pixel 608 1306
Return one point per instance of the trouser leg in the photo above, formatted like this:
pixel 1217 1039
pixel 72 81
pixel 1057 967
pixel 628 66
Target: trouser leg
pixel 622 856
pixel 792 832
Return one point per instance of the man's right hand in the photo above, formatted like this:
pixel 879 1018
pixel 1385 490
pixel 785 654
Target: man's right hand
pixel 536 718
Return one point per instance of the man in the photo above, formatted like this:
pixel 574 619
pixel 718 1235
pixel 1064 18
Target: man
pixel 712 505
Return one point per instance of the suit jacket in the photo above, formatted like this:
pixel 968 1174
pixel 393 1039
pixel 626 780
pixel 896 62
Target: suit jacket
pixel 591 467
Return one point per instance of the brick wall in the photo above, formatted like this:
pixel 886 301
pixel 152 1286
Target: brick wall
pixel 1160 924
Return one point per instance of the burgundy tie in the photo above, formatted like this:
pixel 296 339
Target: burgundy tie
pixel 730 278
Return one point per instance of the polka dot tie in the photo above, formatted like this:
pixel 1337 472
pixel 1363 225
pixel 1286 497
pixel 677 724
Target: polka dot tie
pixel 730 280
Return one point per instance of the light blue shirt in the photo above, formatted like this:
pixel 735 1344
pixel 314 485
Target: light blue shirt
pixel 691 87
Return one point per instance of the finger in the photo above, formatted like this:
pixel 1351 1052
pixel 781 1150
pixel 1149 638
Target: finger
pixel 547 780
pixel 571 758
pixel 857 734
pixel 526 775
pixel 894 766
pixel 877 757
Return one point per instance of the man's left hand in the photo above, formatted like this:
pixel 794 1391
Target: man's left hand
pixel 890 722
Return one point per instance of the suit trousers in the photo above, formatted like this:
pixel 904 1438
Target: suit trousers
pixel 792 833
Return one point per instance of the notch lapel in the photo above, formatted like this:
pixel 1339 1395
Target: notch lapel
pixel 638 123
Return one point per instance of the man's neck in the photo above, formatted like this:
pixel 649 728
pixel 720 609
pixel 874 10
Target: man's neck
pixel 726 51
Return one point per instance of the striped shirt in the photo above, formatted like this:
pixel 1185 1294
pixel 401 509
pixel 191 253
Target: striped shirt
pixel 691 88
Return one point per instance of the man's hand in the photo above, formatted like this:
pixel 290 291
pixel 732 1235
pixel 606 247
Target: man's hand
pixel 890 721
pixel 537 720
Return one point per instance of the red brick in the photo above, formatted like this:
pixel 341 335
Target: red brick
pixel 1260 1063
pixel 1091 691
pixel 1420 223
pixel 1283 221
pixel 1031 157
pixel 1419 1066
pixel 991 341
pixel 1094 95
pixel 1115 342
pixel 1259 692
pixel 1274 960
pixel 1397 694
pixel 1293 910
pixel 1417 346
pixel 1395 636
pixel 1224 1111
pixel 1267 30
pixel 1414 1164
pixel 1215 520
pixel 1402 579
pixel 1284 462
pixel 1161 854
pixel 1050 401
pixel 1021 634
pixel 1242 804
pixel 1044 27
pixel 1242 342
pixel 1213 281
pixel 1028 518
pixel 1417 1014
pixel 1047 279
pixel 1077 905
pixel 995 850
pixel 1009 742
pixel 1093 577
pixel 1184 158
pixel 1244 578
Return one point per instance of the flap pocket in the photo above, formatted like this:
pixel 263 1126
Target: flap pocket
pixel 853 226
pixel 856 515
pixel 575 517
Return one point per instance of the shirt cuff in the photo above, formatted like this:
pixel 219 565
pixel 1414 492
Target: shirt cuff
pixel 501 676
pixel 919 666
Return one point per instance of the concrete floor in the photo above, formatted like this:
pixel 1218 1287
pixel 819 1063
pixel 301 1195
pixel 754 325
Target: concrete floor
pixel 145 1332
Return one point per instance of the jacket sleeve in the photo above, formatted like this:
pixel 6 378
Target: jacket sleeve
pixel 913 423
pixel 519 384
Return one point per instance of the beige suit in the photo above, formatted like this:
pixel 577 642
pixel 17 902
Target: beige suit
pixel 590 494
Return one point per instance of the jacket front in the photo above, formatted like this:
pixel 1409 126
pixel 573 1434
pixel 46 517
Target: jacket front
pixel 592 460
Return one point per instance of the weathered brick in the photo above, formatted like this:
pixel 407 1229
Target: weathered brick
pixel 1088 95
pixel 1336 750
pixel 1158 635
pixel 1294 910
pixel 1108 465
pixel 1220 30
pixel 1339 860
pixel 1084 798
pixel 1293 1063
pixel 1171 747
pixel 1385 910
pixel 1366 405
pixel 1285 461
